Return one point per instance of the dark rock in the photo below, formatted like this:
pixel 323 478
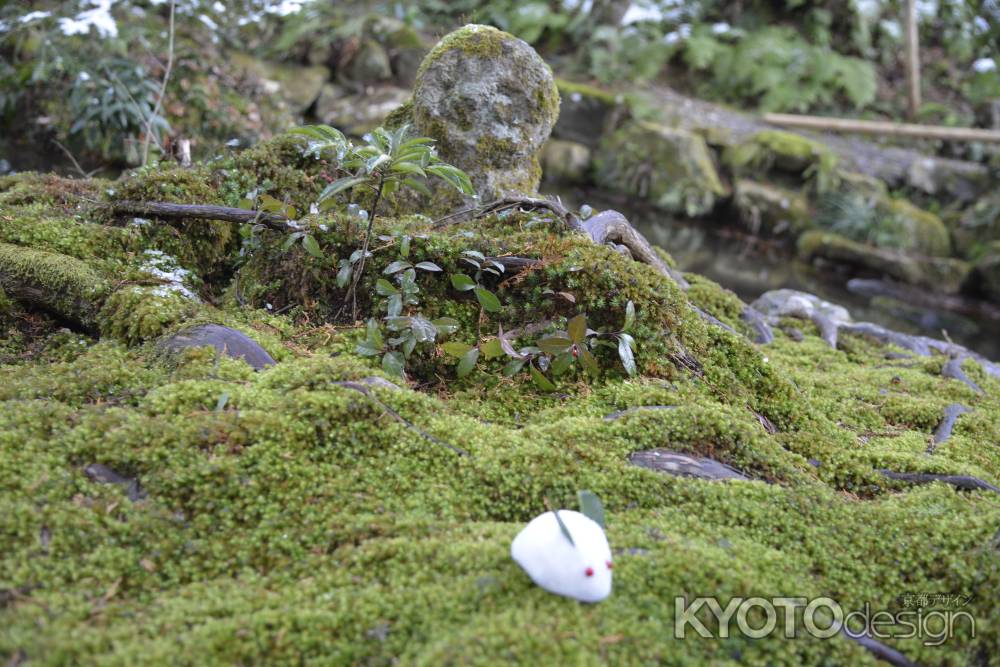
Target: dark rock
pixel 586 113
pixel 102 474
pixel 230 342
pixel 963 482
pixel 682 465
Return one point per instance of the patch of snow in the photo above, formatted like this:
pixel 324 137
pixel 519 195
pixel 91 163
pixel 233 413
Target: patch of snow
pixel 34 16
pixel 683 32
pixel 984 65
pixel 206 19
pixel 164 267
pixel 98 18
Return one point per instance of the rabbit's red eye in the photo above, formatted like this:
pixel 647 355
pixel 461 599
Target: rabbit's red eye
pixel 589 572
pixel 608 563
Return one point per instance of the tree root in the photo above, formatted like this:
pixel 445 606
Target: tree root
pixel 879 650
pixel 523 203
pixel 953 369
pixel 963 482
pixel 639 408
pixel 943 430
pixel 613 227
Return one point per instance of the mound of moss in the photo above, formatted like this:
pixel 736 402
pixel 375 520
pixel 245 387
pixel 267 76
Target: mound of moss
pixel 191 510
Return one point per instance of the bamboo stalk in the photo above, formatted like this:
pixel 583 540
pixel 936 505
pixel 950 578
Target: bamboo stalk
pixel 848 125
pixel 912 59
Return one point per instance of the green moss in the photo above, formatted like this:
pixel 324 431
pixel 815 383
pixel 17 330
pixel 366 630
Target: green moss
pixel 65 286
pixel 481 41
pixel 942 274
pixel 401 115
pixel 787 152
pixel 928 234
pixel 569 88
pixel 136 314
pixel 715 300
pixel 289 519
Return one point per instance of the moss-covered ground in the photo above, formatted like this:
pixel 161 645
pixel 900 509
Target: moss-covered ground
pixel 288 519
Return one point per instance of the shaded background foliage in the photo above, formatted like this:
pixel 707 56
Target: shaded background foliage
pixel 106 58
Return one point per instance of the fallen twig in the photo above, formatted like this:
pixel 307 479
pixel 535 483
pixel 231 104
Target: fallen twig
pixel 201 211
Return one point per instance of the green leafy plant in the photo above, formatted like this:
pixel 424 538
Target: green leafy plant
pixel 851 215
pixel 483 265
pixel 405 331
pixel 776 69
pixel 380 167
pixel 555 354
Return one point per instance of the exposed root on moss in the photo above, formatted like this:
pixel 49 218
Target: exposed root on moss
pixel 613 227
pixel 963 482
pixel 879 650
pixel 520 203
pixel 943 431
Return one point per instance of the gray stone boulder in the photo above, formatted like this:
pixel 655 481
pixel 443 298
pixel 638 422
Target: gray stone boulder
pixel 683 465
pixel 490 102
pixel 769 209
pixel 671 169
pixel 227 341
pixel 358 113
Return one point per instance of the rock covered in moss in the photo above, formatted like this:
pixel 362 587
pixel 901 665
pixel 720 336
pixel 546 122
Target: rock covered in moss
pixel 671 168
pixel 369 64
pixel 361 113
pixel 587 113
pixel 770 209
pixel 940 274
pixel 298 85
pixel 490 102
pixel 578 569
pixel 565 161
pixel 926 234
pixel 59 284
pixel 225 340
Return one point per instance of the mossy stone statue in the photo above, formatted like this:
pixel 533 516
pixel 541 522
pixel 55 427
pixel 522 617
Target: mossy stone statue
pixel 490 101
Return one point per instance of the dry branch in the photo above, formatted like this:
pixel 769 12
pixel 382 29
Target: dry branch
pixel 201 211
